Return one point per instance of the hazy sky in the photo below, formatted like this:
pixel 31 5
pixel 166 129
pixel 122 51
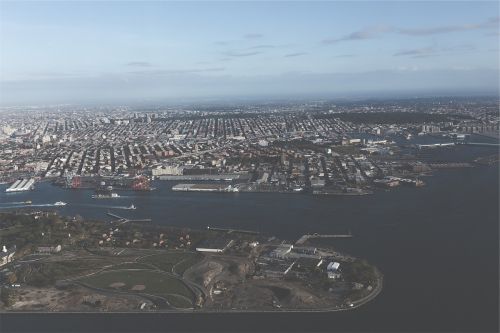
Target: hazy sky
pixel 74 52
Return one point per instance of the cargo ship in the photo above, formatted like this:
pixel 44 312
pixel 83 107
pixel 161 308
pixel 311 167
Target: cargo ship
pixel 105 194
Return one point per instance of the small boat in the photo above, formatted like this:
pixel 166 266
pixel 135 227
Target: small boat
pixel 60 203
pixel 28 202
pixel 132 207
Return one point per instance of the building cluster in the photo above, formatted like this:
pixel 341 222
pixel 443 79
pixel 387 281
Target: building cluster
pixel 288 260
pixel 274 147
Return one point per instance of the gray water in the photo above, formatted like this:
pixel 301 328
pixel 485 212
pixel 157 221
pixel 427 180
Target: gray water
pixel 437 247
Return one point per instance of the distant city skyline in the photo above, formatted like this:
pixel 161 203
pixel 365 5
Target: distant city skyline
pixel 111 52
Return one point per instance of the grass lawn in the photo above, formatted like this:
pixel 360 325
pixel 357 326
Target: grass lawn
pixel 187 262
pixel 179 302
pixel 154 283
pixel 129 265
pixel 166 261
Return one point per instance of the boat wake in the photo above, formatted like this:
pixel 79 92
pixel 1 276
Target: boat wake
pixel 28 206
pixel 107 207
pixel 14 203
pixel 120 207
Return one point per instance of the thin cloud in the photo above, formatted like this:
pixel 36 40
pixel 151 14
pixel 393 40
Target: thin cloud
pixel 253 36
pixel 296 54
pixel 460 48
pixel 418 52
pixel 439 30
pixel 241 54
pixel 163 72
pixel 139 64
pixel 262 46
pixel 488 24
pixel 344 56
pixel 493 34
pixel 377 31
pixel 223 42
pixel 435 51
pixel 366 33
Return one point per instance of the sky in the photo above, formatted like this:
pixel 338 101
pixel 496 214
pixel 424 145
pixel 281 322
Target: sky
pixel 124 51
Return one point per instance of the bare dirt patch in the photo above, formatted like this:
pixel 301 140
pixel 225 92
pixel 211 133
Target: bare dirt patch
pixel 117 285
pixel 77 299
pixel 138 287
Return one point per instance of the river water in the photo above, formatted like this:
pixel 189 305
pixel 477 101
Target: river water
pixel 437 247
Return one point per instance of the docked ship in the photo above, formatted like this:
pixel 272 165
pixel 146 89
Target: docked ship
pixel 105 194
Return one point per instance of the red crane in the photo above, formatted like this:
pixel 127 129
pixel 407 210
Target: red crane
pixel 76 182
pixel 141 183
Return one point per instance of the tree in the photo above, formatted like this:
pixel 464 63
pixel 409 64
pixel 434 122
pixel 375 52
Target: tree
pixel 12 278
pixel 6 296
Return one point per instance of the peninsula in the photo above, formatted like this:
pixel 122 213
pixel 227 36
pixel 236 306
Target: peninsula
pixel 52 263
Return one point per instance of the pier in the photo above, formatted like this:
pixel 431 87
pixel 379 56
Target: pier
pixel 482 144
pixel 232 230
pixel 22 185
pixel 446 144
pixel 433 145
pixel 125 220
pixel 305 238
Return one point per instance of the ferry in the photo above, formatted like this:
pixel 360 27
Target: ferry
pixel 60 203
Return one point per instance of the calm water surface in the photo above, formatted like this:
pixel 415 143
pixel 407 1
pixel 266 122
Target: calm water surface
pixel 437 247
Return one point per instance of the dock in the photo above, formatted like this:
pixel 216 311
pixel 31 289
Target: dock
pixel 125 220
pixel 447 144
pixel 200 187
pixel 305 238
pixel 233 230
pixel 21 185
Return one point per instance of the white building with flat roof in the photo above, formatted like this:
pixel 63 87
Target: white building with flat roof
pixel 333 270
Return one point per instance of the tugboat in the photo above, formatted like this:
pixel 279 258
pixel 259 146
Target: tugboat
pixel 60 203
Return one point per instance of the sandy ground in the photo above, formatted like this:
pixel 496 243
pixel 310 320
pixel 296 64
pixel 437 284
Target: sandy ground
pixel 228 285
pixel 71 299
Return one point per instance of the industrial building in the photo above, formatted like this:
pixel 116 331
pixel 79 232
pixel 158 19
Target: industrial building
pixel 217 245
pixel 21 185
pixel 7 255
pixel 49 249
pixel 333 270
